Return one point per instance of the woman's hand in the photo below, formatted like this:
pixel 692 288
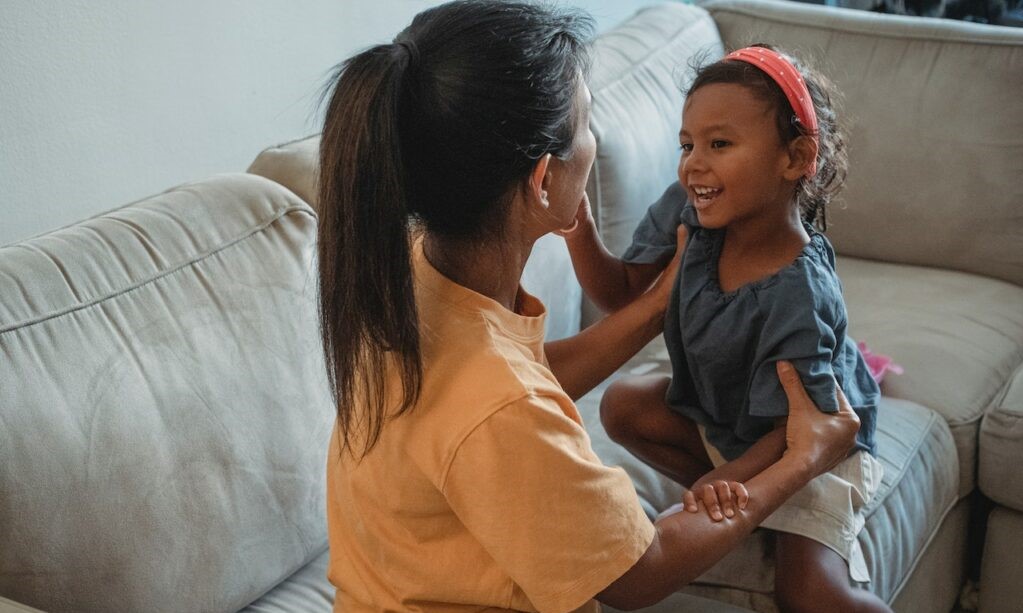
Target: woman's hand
pixel 583 216
pixel 822 440
pixel 666 281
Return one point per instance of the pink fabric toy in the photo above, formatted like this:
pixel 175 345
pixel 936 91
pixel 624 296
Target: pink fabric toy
pixel 878 364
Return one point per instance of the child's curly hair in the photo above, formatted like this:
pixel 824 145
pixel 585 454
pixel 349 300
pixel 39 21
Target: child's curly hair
pixel 812 193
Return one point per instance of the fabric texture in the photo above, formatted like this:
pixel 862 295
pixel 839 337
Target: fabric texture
pixel 724 345
pixel 907 201
pixel 1002 568
pixel 490 476
pixel 146 355
pixel 1001 447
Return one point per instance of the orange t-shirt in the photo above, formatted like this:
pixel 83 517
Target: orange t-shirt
pixel 487 494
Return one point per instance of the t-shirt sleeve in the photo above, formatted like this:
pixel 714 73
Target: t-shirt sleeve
pixel 655 236
pixel 528 486
pixel 796 332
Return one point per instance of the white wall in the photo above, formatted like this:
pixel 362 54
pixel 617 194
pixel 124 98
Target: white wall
pixel 103 102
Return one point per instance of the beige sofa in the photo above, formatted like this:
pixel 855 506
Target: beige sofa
pixel 163 413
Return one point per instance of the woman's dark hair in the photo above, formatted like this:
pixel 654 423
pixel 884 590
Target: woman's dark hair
pixel 812 194
pixel 436 129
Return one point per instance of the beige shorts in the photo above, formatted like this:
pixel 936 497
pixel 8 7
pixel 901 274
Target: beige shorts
pixel 829 509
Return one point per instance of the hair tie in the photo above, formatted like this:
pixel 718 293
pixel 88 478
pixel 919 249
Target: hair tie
pixel 410 49
pixel 791 83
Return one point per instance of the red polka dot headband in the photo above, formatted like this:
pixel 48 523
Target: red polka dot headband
pixel 791 82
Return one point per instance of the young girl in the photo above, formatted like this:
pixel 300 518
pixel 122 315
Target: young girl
pixel 761 157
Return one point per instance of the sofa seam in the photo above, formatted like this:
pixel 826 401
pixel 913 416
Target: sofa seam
pixel 27 323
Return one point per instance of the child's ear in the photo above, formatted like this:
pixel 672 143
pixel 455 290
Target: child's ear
pixel 802 153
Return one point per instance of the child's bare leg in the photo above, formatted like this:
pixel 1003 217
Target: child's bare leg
pixel 635 415
pixel 809 576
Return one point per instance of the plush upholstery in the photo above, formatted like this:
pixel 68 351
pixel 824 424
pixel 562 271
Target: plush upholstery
pixel 163 409
pixel 163 413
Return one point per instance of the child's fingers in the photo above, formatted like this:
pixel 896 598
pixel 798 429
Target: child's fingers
pixel 689 501
pixel 741 494
pixel 724 495
pixel 710 501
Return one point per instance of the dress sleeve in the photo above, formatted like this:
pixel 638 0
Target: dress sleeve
pixel 796 331
pixel 655 235
pixel 528 486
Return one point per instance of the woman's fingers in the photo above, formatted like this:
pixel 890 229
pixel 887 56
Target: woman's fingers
pixel 822 439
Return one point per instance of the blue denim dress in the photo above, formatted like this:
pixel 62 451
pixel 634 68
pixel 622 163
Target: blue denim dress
pixel 723 345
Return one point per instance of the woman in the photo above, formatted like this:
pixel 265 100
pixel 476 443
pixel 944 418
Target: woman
pixel 459 476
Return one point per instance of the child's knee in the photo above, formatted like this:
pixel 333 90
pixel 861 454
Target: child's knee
pixel 616 412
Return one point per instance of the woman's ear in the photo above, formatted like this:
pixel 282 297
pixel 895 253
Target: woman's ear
pixel 538 180
pixel 802 154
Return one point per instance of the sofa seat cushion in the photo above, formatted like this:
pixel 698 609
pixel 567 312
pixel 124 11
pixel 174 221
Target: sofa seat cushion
pixel 308 590
pixel 1001 447
pixel 164 412
pixel 958 336
pixel 918 489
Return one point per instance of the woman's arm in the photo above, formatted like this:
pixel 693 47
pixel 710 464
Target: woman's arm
pixel 608 281
pixel 582 361
pixel 687 544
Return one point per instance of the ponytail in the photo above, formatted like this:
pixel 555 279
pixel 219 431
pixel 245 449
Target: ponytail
pixel 368 318
pixel 438 127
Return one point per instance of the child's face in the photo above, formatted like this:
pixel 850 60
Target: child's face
pixel 733 161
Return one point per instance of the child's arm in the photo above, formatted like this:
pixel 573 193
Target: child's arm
pixel 766 451
pixel 608 281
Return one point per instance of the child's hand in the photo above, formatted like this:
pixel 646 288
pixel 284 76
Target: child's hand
pixel 720 498
pixel 583 216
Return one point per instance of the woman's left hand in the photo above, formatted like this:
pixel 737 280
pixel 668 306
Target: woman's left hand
pixel 583 216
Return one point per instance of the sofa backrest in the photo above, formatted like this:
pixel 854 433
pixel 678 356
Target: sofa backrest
pixel 934 109
pixel 640 70
pixel 164 412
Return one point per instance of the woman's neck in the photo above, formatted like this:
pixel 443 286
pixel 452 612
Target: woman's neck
pixel 490 269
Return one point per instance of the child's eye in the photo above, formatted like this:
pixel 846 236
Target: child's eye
pixel 686 147
pixel 717 144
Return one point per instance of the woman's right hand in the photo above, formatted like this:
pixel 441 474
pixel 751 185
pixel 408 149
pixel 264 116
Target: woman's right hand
pixel 822 440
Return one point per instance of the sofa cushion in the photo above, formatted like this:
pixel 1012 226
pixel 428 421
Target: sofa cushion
pixel 548 273
pixel 936 185
pixel 918 489
pixel 308 590
pixel 164 412
pixel 1001 447
pixel 958 336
